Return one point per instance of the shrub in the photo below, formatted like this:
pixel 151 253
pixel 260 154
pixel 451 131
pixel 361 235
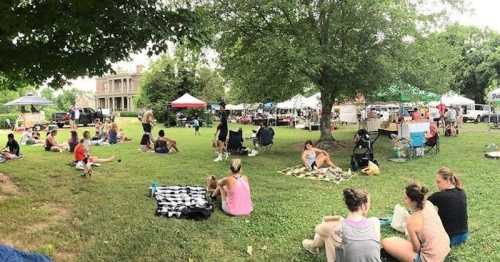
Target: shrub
pixel 128 114
pixel 4 117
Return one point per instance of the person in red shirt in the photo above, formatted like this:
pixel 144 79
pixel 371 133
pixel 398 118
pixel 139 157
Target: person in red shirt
pixel 85 161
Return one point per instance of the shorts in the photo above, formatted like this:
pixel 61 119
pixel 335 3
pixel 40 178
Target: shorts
pixel 196 128
pixel 417 258
pixel 222 136
pixel 161 150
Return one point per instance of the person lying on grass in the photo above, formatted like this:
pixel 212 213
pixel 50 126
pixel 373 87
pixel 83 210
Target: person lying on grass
pixel 355 238
pixel 84 160
pixel 165 145
pixel 314 158
pixel 51 143
pixel 11 149
pixel 234 191
pixel 427 238
pixel 451 202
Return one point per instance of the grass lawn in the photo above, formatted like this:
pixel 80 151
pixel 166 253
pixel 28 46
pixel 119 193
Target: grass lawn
pixel 110 217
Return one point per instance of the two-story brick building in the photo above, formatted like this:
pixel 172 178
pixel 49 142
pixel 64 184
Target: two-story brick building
pixel 116 92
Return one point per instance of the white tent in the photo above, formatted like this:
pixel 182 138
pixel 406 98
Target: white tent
pixel 313 101
pixel 239 107
pixel 296 102
pixel 452 99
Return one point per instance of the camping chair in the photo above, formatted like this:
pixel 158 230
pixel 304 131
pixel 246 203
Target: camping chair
pixel 235 143
pixel 265 139
pixel 417 144
pixel 432 145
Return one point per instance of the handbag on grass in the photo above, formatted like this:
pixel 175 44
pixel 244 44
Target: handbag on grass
pixel 399 218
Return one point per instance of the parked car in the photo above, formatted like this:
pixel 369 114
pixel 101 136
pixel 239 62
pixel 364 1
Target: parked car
pixel 87 116
pixel 476 113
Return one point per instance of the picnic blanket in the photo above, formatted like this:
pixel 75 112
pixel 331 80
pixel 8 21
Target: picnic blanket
pixel 329 174
pixel 182 202
pixel 13 255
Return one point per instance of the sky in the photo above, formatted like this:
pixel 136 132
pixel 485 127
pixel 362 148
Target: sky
pixel 483 13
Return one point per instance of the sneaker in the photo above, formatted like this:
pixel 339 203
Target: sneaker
pixel 307 244
pixel 226 155
pixel 218 159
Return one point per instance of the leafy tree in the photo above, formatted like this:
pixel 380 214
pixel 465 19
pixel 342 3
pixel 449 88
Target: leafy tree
pixel 273 49
pixel 57 40
pixel 478 59
pixel 171 77
pixel 48 93
pixel 65 100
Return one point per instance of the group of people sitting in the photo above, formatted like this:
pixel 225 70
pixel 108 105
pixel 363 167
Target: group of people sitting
pixel 161 145
pixel 434 224
pixel 108 132
pixel 82 153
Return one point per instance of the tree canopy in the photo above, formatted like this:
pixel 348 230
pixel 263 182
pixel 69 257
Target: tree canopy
pixel 273 49
pixel 58 40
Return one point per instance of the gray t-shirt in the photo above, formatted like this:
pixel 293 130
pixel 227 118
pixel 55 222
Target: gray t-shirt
pixel 360 241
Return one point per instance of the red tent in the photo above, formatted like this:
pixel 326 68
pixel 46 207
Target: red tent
pixel 187 101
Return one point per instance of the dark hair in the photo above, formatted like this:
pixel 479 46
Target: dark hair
pixel 10 136
pixel 86 134
pixel 354 198
pixel 81 141
pixel 416 193
pixel 74 135
pixel 447 174
pixel 53 132
pixel 265 124
pixel 222 104
pixel 308 142
pixel 161 133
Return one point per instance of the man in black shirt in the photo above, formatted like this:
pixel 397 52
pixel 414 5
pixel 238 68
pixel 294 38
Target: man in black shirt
pixel 451 202
pixel 13 151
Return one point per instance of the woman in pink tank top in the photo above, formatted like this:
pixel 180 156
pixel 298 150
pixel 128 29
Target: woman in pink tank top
pixel 427 239
pixel 235 192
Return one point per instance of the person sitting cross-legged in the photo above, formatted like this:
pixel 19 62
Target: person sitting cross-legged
pixel 355 238
pixel 51 143
pixel 11 149
pixel 234 191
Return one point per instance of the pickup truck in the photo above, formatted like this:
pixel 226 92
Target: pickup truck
pixel 477 113
pixel 87 116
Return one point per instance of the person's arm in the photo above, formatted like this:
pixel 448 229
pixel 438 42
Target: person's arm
pixel 411 226
pixel 304 160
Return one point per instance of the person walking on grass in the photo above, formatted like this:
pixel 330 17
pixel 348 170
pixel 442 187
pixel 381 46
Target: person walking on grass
pixel 221 134
pixel 196 126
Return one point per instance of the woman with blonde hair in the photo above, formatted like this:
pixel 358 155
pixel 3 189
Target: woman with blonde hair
pixel 234 191
pixel 451 202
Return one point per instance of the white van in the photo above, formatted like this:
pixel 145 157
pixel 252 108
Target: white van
pixel 476 112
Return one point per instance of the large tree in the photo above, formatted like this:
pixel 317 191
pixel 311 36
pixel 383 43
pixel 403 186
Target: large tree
pixel 477 65
pixel 272 49
pixel 57 40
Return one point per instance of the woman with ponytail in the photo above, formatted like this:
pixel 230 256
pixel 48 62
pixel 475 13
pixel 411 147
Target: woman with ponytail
pixel 451 202
pixel 355 238
pixel 427 240
pixel 234 191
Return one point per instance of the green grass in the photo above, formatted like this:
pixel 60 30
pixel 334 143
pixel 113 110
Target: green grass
pixel 111 218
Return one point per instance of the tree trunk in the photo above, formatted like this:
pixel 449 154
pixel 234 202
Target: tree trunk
pixel 326 140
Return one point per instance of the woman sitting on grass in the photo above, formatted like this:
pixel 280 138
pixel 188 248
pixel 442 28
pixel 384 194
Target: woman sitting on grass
pixel 355 238
pixel 73 141
pixel 11 150
pixel 115 135
pixel 314 158
pixel 234 191
pixel 427 239
pixel 451 202
pixel 165 145
pixel 51 143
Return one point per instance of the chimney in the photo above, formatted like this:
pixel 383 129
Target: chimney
pixel 139 68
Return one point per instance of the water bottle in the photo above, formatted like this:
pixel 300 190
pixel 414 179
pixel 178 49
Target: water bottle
pixel 154 185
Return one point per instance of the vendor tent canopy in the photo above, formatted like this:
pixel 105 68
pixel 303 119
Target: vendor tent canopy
pixel 188 101
pixel 29 99
pixel 453 99
pixel 296 102
pixel 313 101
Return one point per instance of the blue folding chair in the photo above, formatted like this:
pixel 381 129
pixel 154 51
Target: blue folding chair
pixel 417 144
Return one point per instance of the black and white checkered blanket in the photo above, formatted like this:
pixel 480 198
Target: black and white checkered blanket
pixel 182 201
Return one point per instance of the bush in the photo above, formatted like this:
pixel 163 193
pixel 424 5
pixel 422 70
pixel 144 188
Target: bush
pixel 4 117
pixel 128 114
